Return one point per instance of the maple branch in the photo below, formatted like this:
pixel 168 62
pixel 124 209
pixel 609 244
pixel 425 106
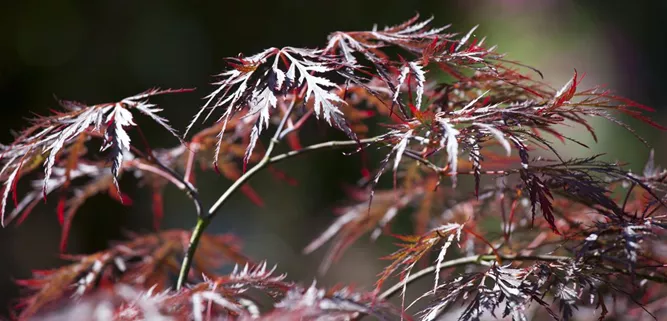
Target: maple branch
pixel 185 185
pixel 181 183
pixel 326 145
pixel 204 220
pixel 476 259
pixel 157 171
pixel 187 176
pixel 189 190
pixel 651 276
pixel 435 168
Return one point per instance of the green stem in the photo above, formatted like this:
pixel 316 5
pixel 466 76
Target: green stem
pixel 197 232
pixel 244 178
pixel 205 220
pixel 325 145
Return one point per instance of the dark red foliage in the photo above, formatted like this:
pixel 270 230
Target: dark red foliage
pixel 467 136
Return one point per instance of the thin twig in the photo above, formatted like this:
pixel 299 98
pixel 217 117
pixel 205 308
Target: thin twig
pixel 325 145
pixel 465 261
pixel 190 190
pixel 180 182
pixel 157 171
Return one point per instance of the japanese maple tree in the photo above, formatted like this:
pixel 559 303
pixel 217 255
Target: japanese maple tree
pixel 533 235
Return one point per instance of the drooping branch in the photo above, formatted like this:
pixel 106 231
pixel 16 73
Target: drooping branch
pixel 326 145
pixel 181 182
pixel 477 259
pixel 482 259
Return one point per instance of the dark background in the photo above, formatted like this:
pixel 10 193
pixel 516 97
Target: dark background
pixel 100 51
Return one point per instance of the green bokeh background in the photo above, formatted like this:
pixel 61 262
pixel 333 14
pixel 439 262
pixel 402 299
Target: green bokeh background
pixel 99 51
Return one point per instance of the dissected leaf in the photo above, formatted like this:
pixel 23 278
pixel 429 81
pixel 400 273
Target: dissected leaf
pixel 51 136
pixel 148 262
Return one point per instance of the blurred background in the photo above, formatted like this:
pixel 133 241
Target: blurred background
pixel 100 51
